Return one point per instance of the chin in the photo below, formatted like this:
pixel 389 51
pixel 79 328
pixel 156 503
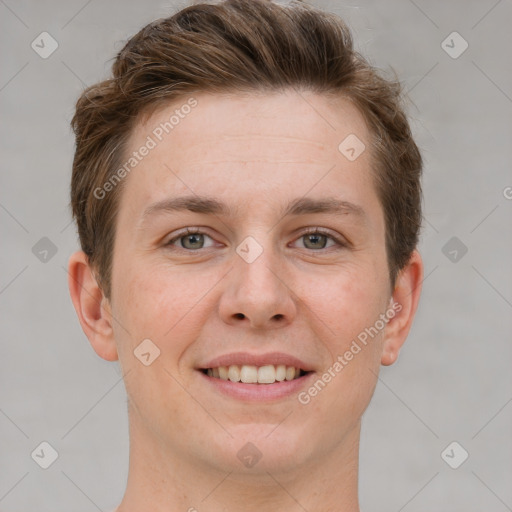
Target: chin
pixel 258 448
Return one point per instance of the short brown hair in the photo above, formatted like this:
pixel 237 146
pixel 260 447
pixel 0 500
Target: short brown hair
pixel 239 45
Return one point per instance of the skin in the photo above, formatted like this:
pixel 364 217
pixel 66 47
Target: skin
pixel 256 153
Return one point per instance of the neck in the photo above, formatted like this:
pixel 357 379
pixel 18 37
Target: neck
pixel 161 481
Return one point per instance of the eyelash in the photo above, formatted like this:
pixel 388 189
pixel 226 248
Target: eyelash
pixel 309 231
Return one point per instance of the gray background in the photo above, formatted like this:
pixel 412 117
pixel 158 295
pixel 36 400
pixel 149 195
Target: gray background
pixel 452 381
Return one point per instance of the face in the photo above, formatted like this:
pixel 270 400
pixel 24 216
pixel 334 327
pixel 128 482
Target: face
pixel 285 266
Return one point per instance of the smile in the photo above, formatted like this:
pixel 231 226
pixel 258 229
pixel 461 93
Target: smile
pixel 250 374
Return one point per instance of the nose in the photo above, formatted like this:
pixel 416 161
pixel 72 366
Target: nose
pixel 257 294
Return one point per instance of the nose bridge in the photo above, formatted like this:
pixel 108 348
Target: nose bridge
pixel 257 272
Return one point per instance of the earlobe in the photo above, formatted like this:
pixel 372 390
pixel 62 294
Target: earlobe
pixel 403 305
pixel 91 306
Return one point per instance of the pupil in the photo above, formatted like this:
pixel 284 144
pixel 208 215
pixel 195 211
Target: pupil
pixel 191 238
pixel 314 238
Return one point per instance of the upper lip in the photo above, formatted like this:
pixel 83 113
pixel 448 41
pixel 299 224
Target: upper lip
pixel 245 358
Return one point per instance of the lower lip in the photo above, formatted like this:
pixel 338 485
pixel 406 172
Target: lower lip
pixel 259 392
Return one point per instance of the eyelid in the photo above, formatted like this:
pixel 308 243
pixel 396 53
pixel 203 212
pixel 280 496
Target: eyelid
pixel 340 242
pixel 184 232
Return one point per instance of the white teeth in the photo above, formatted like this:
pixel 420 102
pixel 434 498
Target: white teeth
pixel 250 374
pixel 234 373
pixel 223 372
pixel 280 372
pixel 267 374
pixel 290 373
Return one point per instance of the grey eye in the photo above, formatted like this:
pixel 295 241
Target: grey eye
pixel 317 240
pixel 192 241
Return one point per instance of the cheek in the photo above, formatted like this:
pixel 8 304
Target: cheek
pixel 348 303
pixel 351 305
pixel 355 308
pixel 160 303
pixel 147 302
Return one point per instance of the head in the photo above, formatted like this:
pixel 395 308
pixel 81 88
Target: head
pixel 268 112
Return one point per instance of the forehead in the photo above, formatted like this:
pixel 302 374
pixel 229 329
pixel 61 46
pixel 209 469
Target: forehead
pixel 250 145
pixel 290 120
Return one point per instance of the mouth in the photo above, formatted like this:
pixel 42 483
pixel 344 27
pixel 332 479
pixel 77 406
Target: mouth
pixel 251 377
pixel 250 374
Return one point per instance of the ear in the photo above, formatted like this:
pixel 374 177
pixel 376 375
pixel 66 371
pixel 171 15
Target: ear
pixel 91 306
pixel 404 302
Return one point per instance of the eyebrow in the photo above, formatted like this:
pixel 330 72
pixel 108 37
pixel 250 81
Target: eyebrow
pixel 212 206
